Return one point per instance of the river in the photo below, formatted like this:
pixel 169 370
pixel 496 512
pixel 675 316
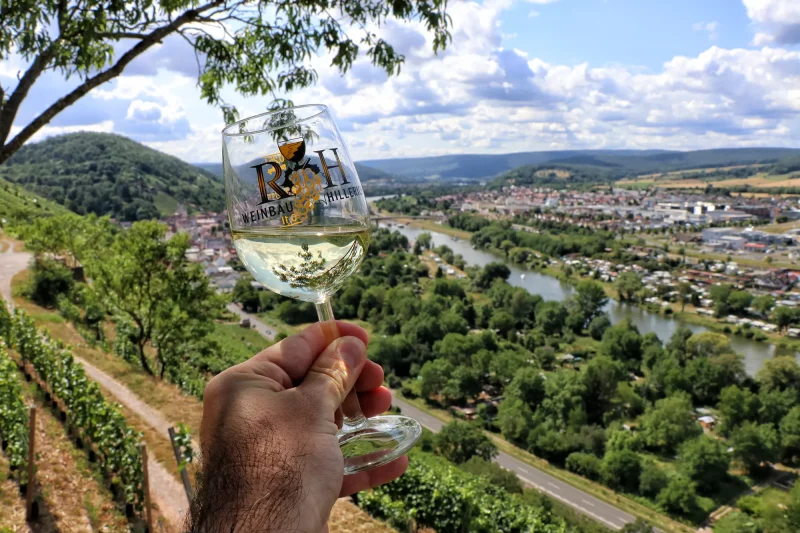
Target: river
pixel 550 288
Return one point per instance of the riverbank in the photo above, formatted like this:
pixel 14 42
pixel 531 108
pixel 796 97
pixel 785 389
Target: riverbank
pixel 549 282
pixel 430 225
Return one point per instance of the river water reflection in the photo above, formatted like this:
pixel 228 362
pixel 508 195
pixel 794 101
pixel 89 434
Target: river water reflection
pixel 550 288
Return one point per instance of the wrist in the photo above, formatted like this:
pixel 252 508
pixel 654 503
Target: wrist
pixel 249 486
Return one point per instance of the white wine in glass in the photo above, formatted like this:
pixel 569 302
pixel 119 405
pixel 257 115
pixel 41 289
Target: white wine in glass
pixel 300 226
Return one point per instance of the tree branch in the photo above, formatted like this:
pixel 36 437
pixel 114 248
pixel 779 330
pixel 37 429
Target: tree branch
pixel 123 35
pixel 9 110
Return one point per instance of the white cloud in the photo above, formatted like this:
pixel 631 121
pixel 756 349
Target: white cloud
pixel 533 14
pixel 107 126
pixel 777 20
pixel 478 96
pixel 709 27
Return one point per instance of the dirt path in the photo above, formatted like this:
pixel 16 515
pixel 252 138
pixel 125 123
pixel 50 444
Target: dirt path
pixel 167 493
pixel 11 263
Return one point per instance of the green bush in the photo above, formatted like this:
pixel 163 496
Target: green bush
pixel 751 505
pixel 585 464
pixel 49 279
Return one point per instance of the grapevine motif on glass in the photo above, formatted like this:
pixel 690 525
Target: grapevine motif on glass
pixel 307 187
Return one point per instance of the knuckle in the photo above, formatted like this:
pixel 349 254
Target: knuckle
pixel 335 377
pixel 291 346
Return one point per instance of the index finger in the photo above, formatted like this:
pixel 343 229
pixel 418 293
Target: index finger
pixel 294 355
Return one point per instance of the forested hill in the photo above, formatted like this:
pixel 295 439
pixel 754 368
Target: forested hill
pixel 112 175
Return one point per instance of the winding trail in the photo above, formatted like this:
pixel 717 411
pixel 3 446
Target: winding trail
pixel 165 490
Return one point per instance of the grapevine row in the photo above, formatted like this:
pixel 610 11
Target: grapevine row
pixel 438 495
pixel 100 422
pixel 13 415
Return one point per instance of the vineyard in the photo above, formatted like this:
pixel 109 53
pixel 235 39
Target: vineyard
pixel 436 494
pixel 95 421
pixel 13 415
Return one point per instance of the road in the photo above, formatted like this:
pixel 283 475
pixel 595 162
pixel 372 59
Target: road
pixel 554 487
pixel 265 330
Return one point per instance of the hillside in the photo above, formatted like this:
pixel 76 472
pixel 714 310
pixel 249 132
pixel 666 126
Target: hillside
pixel 605 163
pixel 18 204
pixel 108 174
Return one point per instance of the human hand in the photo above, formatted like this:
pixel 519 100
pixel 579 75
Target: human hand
pixel 271 459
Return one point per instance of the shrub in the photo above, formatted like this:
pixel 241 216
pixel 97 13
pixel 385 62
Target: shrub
pixel 585 464
pixel 751 505
pixel 652 479
pixel 48 280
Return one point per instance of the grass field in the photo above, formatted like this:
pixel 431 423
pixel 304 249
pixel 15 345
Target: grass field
pixel 696 171
pixel 780 228
pixel 430 225
pixel 559 173
pixel 243 343
pixel 672 181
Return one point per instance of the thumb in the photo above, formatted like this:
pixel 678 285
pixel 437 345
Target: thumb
pixel 334 373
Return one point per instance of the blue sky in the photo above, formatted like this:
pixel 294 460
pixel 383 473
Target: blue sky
pixel 519 75
pixel 629 32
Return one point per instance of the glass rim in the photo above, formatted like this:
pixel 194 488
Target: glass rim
pixel 322 108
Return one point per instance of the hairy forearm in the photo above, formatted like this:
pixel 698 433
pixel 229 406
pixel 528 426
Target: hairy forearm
pixel 253 484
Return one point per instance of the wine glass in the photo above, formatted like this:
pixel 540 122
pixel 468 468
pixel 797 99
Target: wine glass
pixel 300 226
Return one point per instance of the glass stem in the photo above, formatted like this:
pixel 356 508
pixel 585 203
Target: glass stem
pixel 353 418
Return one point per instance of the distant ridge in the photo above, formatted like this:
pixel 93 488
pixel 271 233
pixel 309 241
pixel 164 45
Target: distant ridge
pixel 365 173
pixel 612 163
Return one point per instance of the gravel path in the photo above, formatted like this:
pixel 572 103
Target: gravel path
pixel 166 492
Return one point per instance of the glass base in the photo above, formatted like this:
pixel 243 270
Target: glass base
pixel 382 440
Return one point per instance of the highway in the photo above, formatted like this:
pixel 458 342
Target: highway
pixel 584 503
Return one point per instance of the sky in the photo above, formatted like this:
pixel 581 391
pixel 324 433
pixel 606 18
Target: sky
pixel 519 75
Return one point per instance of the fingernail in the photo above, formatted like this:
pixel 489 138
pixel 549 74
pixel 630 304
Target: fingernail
pixel 351 350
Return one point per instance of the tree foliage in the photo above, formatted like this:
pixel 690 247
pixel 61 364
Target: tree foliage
pixel 146 280
pixel 459 441
pixel 669 423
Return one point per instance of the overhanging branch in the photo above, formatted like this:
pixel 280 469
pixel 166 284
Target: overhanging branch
pixel 40 63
